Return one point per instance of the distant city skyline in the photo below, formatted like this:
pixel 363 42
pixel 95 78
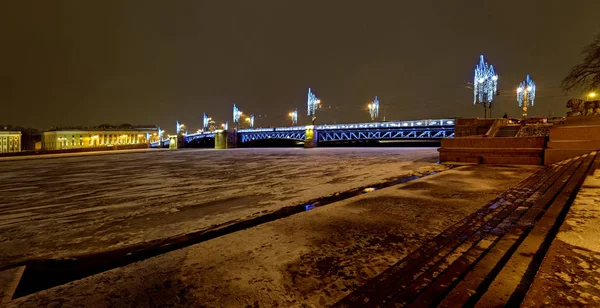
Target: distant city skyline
pixel 88 63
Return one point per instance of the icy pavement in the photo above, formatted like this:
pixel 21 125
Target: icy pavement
pixel 311 259
pixel 62 207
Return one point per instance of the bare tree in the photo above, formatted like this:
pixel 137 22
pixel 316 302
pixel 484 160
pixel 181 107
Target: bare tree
pixel 586 75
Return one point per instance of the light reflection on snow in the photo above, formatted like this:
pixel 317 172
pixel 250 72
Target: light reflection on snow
pixel 309 207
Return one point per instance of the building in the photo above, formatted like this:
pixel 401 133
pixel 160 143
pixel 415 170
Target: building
pixel 104 136
pixel 10 141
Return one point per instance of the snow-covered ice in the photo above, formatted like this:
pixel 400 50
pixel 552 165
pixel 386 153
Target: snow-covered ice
pixel 62 207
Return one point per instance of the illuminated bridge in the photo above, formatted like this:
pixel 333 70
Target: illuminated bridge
pixel 401 130
pixel 380 131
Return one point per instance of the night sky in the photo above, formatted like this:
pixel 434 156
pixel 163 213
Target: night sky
pixel 154 62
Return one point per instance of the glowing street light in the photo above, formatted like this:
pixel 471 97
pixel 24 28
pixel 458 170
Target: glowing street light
pixel 205 122
pixel 237 114
pixel 526 94
pixel 313 104
pixel 485 85
pixel 250 120
pixel 591 95
pixel 294 116
pixel 374 109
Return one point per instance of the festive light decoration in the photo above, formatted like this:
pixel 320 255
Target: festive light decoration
pixel 226 125
pixel 313 104
pixel 160 133
pixel 251 120
pixel 294 116
pixel 206 122
pixel 526 94
pixel 374 109
pixel 485 84
pixel 179 128
pixel 236 114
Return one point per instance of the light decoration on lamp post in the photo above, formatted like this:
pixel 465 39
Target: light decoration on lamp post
pixel 251 120
pixel 374 109
pixel 313 104
pixel 179 128
pixel 160 133
pixel 485 85
pixel 294 116
pixel 526 94
pixel 205 122
pixel 237 114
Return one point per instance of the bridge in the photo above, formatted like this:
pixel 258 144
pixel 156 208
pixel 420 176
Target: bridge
pixel 431 129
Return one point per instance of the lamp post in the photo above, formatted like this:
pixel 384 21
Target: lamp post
pixel 485 85
pixel 294 116
pixel 526 95
pixel 374 109
pixel 237 114
pixel 205 122
pixel 313 104
pixel 250 120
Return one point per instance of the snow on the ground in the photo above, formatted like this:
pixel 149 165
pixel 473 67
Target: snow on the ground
pixel 61 207
pixel 311 259
pixel 569 275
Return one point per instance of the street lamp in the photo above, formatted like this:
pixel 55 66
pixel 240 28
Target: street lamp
pixel 250 120
pixel 591 95
pixel 294 116
pixel 485 85
pixel 526 95
pixel 374 109
pixel 313 104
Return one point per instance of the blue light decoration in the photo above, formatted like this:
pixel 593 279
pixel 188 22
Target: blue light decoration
pixel 251 120
pixel 178 128
pixel 313 104
pixel 294 116
pixel 147 137
pixel 236 114
pixel 485 84
pixel 526 94
pixel 205 122
pixel 160 133
pixel 226 125
pixel 374 109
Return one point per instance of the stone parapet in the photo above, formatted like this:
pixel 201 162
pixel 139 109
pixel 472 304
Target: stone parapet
pixel 517 151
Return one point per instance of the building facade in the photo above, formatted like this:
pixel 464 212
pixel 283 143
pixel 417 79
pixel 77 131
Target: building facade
pixel 10 141
pixel 93 138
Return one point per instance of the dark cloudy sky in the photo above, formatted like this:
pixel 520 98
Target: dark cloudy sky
pixel 87 62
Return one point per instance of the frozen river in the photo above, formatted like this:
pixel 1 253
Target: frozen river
pixel 61 207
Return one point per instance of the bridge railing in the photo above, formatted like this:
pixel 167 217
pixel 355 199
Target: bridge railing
pixel 394 124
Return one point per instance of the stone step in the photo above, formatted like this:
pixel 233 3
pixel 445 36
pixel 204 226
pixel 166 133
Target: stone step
pixel 552 156
pixel 377 290
pixel 569 274
pixel 479 249
pixel 507 131
pixel 512 282
pixel 471 262
pixel 468 288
